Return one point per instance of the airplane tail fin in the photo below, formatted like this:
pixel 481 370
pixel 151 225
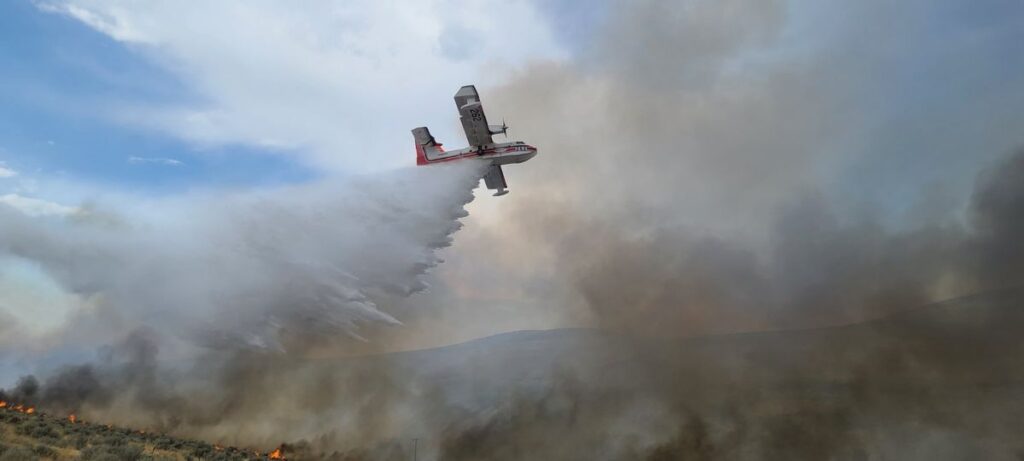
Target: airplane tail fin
pixel 427 148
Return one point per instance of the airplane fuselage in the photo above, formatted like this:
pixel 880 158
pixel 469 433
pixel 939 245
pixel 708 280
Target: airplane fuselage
pixel 502 153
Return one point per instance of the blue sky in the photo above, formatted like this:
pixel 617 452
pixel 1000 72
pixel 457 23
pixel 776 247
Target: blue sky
pixel 59 79
pixel 156 111
pixel 88 86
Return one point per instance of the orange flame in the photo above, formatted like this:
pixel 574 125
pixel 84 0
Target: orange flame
pixel 72 418
pixel 30 410
pixel 3 404
pixel 276 454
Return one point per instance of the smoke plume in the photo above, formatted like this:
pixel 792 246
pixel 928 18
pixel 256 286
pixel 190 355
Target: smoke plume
pixel 200 306
pixel 270 269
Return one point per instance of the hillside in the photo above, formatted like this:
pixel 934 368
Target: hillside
pixel 938 382
pixel 958 343
pixel 26 434
pixel 942 381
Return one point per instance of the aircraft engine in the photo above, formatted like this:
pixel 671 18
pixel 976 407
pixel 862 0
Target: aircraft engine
pixel 498 129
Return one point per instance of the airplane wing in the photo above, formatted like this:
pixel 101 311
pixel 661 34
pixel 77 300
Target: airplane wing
pixel 495 179
pixel 474 122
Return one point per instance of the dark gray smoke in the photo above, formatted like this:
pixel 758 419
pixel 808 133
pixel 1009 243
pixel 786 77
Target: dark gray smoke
pixel 999 223
pixel 769 177
pixel 924 382
pixel 713 168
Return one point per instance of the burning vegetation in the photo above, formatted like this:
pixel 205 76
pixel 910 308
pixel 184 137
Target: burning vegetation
pixel 18 408
pixel 28 434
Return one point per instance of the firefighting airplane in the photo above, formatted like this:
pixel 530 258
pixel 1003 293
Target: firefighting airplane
pixel 481 146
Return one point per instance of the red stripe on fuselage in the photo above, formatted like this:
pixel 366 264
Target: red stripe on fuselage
pixel 484 154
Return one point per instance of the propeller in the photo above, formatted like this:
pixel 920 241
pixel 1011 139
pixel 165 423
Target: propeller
pixel 501 129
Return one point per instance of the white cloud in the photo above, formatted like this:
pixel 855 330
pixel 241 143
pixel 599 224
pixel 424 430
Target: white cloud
pixel 338 83
pixel 36 207
pixel 155 160
pixel 6 172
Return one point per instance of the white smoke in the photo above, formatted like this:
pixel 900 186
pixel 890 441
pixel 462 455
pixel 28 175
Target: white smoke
pixel 249 269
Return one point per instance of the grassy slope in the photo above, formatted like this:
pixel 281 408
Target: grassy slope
pixel 39 436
